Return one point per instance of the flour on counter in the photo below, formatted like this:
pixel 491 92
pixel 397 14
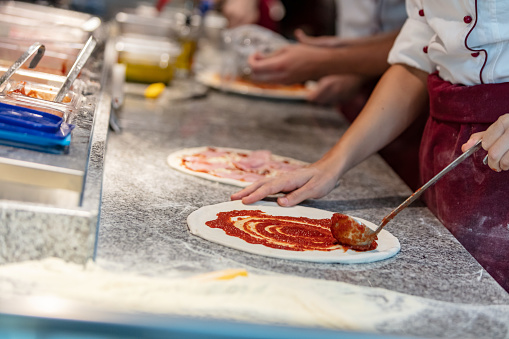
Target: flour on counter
pixel 262 299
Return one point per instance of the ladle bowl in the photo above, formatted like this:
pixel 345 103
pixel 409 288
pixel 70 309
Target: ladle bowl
pixel 349 232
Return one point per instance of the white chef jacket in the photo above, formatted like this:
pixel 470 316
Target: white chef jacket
pixel 466 41
pixel 361 18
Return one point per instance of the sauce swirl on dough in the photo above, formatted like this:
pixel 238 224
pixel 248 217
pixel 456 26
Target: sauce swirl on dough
pixel 281 232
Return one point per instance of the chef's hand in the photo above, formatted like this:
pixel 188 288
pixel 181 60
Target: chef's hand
pixel 333 89
pixel 289 65
pixel 495 140
pixel 314 181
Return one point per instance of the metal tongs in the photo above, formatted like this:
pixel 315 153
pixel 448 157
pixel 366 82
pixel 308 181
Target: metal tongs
pixel 81 60
pixel 35 48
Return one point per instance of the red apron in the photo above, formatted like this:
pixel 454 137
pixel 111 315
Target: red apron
pixel 472 200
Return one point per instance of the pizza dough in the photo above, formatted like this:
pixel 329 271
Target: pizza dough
pixel 263 299
pixel 388 245
pixel 213 79
pixel 175 160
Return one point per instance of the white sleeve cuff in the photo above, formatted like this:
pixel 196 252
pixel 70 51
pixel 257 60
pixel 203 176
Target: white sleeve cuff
pixel 410 45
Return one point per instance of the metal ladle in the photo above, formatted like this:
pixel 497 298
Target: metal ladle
pixel 350 232
pixel 34 48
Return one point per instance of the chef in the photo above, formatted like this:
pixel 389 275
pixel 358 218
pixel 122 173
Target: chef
pixel 453 54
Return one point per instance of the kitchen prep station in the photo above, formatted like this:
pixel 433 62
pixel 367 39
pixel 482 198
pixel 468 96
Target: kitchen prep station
pixel 95 241
pixel 53 132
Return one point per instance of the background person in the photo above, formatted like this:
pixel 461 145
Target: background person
pixel 347 67
pixel 366 30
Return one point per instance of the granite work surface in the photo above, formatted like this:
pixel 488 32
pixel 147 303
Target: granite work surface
pixel 145 203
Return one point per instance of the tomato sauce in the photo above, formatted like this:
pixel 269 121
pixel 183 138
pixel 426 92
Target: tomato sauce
pixel 347 231
pixel 37 94
pixel 281 232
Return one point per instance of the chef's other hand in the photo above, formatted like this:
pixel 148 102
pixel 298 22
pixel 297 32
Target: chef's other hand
pixel 289 65
pixel 304 183
pixel 495 140
pixel 333 89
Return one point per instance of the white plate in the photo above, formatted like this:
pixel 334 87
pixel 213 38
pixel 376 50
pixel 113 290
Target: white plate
pixel 212 79
pixel 388 245
pixel 175 161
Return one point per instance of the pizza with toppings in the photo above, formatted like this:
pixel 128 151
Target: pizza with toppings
pixel 265 90
pixel 294 233
pixel 263 85
pixel 232 166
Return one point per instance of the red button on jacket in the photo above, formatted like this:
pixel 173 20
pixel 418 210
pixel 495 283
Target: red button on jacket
pixel 467 19
pixel 421 12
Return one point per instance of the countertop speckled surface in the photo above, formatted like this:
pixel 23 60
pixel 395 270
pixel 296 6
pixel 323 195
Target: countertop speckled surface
pixel 145 203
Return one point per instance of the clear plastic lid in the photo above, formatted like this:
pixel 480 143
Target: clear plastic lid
pixel 242 41
pixel 40 97
pixel 21 103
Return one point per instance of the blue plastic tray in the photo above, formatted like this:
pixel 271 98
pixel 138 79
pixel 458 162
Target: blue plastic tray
pixel 29 126
pixel 29 118
pixel 62 136
pixel 40 139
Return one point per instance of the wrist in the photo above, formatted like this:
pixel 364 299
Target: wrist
pixel 325 61
pixel 333 164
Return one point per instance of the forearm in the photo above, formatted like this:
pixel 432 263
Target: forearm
pixel 394 104
pixel 367 56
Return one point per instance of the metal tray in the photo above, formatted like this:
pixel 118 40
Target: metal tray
pixel 56 60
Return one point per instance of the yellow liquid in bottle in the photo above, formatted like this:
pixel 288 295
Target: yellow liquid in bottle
pixel 185 59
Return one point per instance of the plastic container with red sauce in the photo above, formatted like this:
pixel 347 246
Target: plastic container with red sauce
pixel 40 97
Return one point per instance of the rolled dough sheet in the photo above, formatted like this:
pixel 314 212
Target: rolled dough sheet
pixel 262 299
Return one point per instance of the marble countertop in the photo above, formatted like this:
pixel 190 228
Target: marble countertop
pixel 145 203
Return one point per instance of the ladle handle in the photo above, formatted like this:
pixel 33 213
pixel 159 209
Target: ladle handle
pixel 424 187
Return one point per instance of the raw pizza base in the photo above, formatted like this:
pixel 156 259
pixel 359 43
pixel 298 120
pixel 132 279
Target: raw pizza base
pixel 175 161
pixel 388 245
pixel 211 79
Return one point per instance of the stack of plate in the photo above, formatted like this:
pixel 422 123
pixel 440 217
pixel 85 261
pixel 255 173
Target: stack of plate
pixel 27 126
